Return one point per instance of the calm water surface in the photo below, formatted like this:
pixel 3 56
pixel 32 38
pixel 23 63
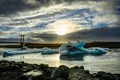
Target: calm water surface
pixel 109 62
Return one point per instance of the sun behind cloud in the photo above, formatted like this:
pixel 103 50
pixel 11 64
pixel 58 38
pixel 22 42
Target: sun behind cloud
pixel 62 30
pixel 62 27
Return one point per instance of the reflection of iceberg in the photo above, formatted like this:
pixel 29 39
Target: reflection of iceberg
pixel 72 49
pixel 46 50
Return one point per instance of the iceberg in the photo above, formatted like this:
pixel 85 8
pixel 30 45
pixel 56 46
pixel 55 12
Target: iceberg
pixel 26 50
pixel 47 50
pixel 72 49
pixel 23 50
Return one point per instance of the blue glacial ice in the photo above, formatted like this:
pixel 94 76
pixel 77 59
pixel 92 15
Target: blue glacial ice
pixel 47 50
pixel 23 50
pixel 71 49
pixel 26 50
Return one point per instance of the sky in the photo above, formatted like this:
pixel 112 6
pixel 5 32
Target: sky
pixel 60 20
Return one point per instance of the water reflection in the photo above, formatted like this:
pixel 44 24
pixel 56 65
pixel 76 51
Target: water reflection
pixel 108 62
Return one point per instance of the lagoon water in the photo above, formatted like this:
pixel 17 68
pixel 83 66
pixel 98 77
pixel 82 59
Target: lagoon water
pixel 109 62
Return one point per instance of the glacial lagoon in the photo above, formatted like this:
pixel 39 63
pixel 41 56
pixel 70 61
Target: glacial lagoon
pixel 108 62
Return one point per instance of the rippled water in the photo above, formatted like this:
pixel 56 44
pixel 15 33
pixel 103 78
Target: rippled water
pixel 109 62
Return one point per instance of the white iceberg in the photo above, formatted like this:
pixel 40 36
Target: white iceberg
pixel 71 49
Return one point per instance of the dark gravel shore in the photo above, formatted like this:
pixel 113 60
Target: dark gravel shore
pixel 10 70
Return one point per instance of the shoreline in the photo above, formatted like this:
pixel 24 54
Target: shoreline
pixel 57 45
pixel 11 70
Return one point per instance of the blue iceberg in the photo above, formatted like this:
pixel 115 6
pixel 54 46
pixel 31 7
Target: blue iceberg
pixel 72 49
pixel 47 50
pixel 23 50
pixel 26 50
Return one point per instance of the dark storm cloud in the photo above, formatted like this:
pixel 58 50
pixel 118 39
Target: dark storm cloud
pixel 45 37
pixel 12 6
pixel 116 3
pixel 9 6
pixel 98 34
pixel 117 7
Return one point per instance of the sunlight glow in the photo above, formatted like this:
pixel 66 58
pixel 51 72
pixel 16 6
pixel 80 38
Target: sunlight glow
pixel 63 27
pixel 62 30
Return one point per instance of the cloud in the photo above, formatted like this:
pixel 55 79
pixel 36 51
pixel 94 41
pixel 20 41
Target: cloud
pixel 40 25
pixel 14 39
pixel 5 28
pixel 38 15
pixel 98 34
pixel 45 37
pixel 13 6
